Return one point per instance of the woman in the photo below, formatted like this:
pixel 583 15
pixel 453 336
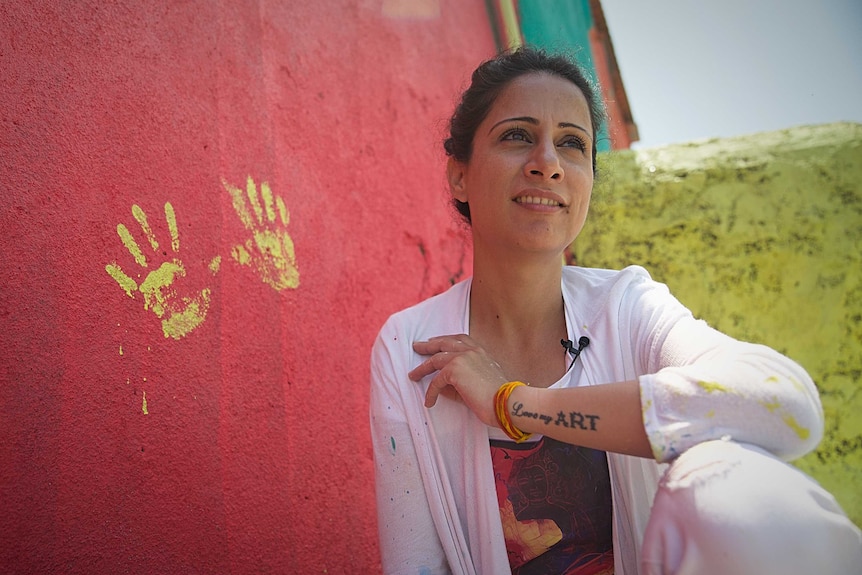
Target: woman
pixel 479 473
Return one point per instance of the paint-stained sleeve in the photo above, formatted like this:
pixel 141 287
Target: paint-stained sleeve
pixel 698 384
pixel 409 543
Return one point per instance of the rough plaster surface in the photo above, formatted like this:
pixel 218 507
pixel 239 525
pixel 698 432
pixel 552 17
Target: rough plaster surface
pixel 762 237
pixel 208 211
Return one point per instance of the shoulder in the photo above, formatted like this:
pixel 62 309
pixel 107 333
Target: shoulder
pixel 594 283
pixel 597 292
pixel 438 315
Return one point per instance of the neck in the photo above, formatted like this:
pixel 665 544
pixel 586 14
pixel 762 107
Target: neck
pixel 516 300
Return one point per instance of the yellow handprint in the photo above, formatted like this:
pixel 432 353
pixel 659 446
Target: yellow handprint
pixel 270 249
pixel 179 315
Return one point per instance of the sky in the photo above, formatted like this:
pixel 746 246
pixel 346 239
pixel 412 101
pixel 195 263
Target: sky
pixel 699 69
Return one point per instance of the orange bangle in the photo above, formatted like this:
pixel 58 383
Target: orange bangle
pixel 501 400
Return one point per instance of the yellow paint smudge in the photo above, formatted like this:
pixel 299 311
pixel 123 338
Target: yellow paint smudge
pixel 121 350
pixel 179 315
pixel 131 245
pixel 282 210
pixel 144 405
pixel 278 268
pixel 266 194
pixel 772 379
pixel 797 386
pixel 128 284
pixel 241 255
pixel 171 218
pixel 271 249
pixel 182 322
pixel 710 413
pixel 238 204
pixel 251 192
pixel 771 406
pixel 791 422
pixel 155 288
pixel 141 218
pixel 711 387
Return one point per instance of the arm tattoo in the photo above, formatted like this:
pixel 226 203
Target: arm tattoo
pixel 574 419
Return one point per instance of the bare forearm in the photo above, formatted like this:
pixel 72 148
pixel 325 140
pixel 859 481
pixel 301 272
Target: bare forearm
pixel 606 417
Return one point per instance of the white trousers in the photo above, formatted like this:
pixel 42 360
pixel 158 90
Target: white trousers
pixel 726 508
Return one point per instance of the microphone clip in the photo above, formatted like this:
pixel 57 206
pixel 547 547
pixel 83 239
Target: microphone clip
pixel 569 346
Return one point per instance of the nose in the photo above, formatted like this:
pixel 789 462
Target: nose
pixel 544 162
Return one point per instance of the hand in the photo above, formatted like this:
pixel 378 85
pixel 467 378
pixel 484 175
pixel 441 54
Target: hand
pixel 270 249
pixel 463 364
pixel 180 314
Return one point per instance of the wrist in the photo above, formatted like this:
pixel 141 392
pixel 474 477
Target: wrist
pixel 503 408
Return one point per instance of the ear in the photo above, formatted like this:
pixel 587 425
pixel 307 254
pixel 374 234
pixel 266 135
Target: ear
pixel 455 173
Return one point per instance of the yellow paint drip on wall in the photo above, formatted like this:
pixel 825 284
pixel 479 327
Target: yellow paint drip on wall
pixel 144 404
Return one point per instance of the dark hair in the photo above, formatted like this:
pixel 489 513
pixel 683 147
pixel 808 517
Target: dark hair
pixel 490 78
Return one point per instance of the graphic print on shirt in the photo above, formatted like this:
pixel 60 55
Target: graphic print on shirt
pixel 555 505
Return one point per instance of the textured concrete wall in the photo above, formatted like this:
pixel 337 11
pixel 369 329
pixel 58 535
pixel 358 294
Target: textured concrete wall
pixel 762 237
pixel 208 210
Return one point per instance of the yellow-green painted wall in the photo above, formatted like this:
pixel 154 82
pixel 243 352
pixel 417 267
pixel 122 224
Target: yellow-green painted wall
pixel 762 237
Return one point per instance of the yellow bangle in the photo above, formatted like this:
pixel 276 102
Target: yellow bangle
pixel 501 400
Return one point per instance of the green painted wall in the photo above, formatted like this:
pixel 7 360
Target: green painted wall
pixel 762 237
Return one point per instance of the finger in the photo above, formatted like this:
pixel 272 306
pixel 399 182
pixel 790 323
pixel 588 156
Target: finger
pixel 447 343
pixel 131 245
pixel 463 337
pixel 241 255
pixel 251 191
pixel 171 217
pixel 127 283
pixel 145 225
pixel 437 385
pixel 266 193
pixel 215 265
pixel 421 370
pixel 239 204
pixel 434 363
pixel 282 210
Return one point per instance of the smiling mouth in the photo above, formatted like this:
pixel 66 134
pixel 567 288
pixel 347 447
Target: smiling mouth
pixel 537 201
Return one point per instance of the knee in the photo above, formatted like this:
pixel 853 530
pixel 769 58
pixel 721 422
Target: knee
pixel 725 507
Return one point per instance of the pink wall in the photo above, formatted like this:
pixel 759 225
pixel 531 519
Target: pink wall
pixel 207 413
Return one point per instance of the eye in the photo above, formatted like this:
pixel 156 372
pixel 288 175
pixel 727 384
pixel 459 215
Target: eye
pixel 516 135
pixel 574 142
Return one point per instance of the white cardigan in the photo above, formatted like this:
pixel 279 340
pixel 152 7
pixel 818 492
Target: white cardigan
pixel 436 500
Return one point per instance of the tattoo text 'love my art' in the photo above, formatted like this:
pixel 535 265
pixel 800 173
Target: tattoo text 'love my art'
pixel 574 419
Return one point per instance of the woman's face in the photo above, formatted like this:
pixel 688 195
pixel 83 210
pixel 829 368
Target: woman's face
pixel 529 180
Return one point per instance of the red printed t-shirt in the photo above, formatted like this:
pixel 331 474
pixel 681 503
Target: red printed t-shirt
pixel 555 505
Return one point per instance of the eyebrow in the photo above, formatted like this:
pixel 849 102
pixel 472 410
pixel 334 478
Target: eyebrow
pixel 535 122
